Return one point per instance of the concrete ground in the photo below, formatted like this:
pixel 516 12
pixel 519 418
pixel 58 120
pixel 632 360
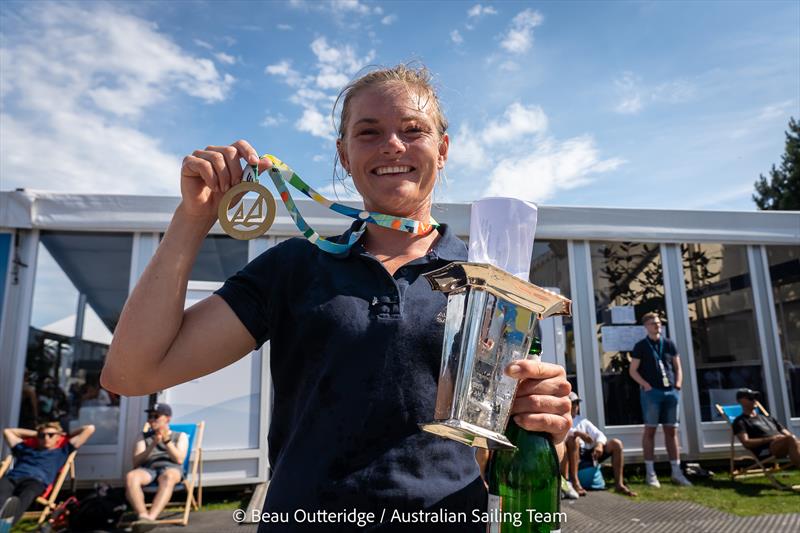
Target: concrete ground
pixel 599 512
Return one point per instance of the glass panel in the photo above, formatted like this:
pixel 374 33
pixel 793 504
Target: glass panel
pixel 80 287
pixel 784 270
pixel 550 269
pixel 628 282
pixel 720 297
pixel 220 257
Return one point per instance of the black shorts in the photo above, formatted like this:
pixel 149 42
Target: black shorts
pixel 588 460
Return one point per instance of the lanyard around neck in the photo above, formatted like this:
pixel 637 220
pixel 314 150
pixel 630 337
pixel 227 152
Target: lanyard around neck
pixel 660 353
pixel 282 174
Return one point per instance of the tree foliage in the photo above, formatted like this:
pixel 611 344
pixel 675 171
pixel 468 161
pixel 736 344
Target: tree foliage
pixel 782 190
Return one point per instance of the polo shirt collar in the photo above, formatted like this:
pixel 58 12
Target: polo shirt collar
pixel 449 247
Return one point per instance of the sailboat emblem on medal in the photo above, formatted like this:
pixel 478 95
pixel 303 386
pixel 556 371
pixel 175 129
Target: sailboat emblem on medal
pixel 247 222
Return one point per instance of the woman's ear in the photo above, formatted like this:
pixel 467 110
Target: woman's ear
pixel 340 149
pixel 444 148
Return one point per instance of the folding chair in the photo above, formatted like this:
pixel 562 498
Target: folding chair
pixel 754 466
pixel 192 478
pixel 49 497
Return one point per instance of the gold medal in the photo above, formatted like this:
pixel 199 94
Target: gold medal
pixel 258 218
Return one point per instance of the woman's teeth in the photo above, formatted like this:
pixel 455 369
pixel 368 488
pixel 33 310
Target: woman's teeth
pixel 392 170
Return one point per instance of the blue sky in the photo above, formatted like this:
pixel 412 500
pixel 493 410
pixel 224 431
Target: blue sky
pixel 633 104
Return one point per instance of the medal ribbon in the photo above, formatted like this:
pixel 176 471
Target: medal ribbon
pixel 282 174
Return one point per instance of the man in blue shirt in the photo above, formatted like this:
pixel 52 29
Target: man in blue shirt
pixel 656 367
pixel 37 466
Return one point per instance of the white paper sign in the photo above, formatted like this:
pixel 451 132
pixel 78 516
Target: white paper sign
pixel 501 232
pixel 621 338
pixel 623 314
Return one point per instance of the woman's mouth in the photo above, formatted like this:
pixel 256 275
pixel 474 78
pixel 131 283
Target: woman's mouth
pixel 392 170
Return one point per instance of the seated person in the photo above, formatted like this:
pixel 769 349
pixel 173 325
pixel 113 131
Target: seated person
pixel 36 467
pixel 587 446
pixel 158 455
pixel 763 435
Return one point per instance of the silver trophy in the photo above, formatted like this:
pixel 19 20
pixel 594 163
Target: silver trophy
pixel 490 319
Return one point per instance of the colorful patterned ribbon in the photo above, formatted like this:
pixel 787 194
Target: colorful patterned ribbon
pixel 282 174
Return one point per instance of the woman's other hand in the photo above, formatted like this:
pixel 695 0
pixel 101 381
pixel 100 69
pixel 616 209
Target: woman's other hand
pixel 542 402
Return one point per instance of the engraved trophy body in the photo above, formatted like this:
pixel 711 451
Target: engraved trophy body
pixel 490 320
pixel 491 315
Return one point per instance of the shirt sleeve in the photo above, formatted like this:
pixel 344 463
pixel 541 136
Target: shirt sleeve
pixel 637 350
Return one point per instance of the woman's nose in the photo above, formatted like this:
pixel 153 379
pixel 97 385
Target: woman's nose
pixel 393 145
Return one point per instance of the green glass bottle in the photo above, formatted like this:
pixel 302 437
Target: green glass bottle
pixel 524 483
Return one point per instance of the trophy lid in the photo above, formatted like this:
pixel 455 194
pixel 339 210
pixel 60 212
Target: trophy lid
pixel 460 275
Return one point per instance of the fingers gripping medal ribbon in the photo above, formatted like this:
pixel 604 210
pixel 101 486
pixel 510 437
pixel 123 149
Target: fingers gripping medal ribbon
pixel 281 174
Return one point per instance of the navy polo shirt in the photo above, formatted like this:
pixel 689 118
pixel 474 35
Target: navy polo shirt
pixel 355 355
pixel 650 353
pixel 40 464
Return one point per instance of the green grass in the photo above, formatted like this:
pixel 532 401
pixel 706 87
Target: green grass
pixel 745 497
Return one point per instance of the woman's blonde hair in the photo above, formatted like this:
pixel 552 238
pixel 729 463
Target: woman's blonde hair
pixel 416 78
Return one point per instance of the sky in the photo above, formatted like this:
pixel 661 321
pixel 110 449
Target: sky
pixel 668 104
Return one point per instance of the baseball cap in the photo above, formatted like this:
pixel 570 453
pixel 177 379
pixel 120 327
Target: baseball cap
pixel 750 394
pixel 573 397
pixel 161 409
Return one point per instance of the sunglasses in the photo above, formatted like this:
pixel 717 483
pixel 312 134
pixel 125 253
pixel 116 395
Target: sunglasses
pixel 43 434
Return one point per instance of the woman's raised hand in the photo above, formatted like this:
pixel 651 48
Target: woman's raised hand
pixel 206 175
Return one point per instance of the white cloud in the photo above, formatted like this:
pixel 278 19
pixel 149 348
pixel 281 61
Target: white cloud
pixel 271 120
pixel 519 37
pixel 285 27
pixel 515 156
pixel 74 88
pixel 777 110
pixel 455 36
pixel 316 124
pixel 350 5
pixel 389 19
pixel 203 44
pixel 341 191
pixel 550 167
pixel 222 57
pixel 633 94
pixel 518 121
pixel 284 69
pixel 477 10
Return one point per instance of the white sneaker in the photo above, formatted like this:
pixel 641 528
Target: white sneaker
pixel 568 492
pixel 679 479
pixel 652 480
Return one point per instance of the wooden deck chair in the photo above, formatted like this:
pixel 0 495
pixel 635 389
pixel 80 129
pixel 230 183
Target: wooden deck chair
pixel 48 498
pixel 192 482
pixel 754 466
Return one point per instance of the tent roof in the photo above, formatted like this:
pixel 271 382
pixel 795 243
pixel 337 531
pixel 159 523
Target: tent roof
pixel 28 209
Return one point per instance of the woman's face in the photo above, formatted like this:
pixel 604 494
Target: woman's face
pixel 392 149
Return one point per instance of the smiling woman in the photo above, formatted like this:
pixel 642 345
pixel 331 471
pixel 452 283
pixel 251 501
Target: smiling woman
pixel 355 340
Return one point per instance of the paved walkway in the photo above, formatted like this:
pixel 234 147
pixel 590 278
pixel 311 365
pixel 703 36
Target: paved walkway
pixel 600 512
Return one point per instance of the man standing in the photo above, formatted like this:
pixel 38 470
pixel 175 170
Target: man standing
pixel 158 455
pixel 656 367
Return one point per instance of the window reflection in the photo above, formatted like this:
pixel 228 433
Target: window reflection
pixel 219 258
pixel 628 282
pixel 784 271
pixel 550 269
pixel 724 337
pixel 80 288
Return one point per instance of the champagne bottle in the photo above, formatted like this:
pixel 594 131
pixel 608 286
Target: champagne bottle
pixel 524 483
